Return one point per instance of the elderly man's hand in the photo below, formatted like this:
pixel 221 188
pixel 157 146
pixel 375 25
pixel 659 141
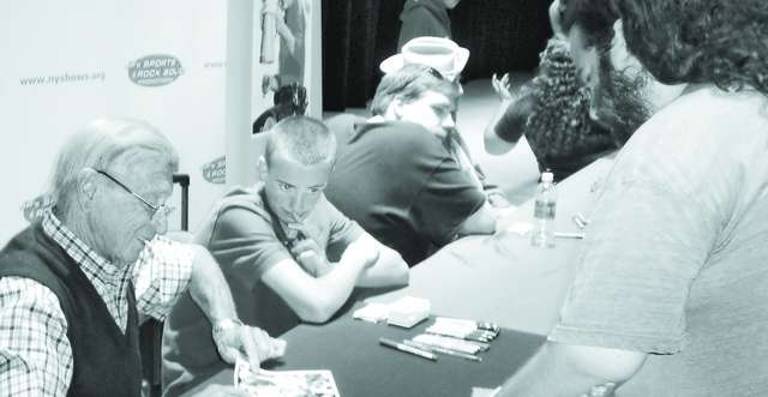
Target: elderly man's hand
pixel 232 339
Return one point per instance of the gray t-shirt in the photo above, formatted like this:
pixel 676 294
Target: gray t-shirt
pixel 240 233
pixel 245 240
pixel 675 260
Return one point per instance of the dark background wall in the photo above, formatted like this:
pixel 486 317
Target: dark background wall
pixel 502 35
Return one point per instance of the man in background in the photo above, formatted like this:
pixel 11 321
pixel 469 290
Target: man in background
pixel 399 175
pixel 276 244
pixel 448 59
pixel 425 18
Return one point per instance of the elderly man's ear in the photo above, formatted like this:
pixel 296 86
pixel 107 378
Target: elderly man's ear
pixel 86 185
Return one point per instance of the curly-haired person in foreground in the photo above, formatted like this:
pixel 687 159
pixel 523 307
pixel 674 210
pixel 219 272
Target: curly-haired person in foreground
pixel 670 293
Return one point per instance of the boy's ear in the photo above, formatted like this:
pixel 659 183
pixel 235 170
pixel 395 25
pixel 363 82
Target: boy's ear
pixel 262 168
pixel 395 108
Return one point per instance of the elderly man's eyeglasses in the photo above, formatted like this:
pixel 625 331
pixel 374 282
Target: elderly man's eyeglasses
pixel 156 211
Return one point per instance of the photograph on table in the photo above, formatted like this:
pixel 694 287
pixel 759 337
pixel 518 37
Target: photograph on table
pixel 305 383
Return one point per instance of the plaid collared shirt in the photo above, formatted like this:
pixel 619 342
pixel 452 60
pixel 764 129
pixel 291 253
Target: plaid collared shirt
pixel 35 355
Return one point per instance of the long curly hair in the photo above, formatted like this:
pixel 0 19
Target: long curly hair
pixel 560 125
pixel 723 42
pixel 617 101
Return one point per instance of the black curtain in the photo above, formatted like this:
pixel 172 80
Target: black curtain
pixel 357 35
pixel 502 35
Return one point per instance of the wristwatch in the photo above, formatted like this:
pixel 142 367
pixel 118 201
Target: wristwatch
pixel 224 325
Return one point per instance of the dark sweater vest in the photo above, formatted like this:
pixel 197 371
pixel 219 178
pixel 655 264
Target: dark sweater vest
pixel 106 361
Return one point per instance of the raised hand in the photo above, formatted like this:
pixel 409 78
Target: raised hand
pixel 502 86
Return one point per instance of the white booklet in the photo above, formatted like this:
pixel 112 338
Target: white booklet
pixel 262 383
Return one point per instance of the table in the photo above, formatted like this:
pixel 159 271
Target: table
pixel 361 367
pixel 503 278
pixel 500 278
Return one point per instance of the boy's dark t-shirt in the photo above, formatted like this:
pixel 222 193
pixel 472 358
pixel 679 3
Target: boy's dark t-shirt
pixel 401 184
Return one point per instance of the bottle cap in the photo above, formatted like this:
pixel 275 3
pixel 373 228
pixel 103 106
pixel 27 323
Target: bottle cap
pixel 547 177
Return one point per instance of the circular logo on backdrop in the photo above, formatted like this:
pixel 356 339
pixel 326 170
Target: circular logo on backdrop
pixel 155 70
pixel 215 171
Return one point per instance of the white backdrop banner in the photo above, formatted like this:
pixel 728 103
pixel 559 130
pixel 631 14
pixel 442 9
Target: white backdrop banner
pixel 66 63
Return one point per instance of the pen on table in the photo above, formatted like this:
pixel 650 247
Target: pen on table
pixel 463 345
pixel 442 350
pixel 475 325
pixel 569 235
pixel 407 349
pixel 579 220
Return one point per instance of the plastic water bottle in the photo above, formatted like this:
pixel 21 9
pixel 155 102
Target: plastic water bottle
pixel 544 210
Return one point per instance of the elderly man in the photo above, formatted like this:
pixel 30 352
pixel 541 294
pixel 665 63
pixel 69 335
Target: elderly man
pixel 271 241
pixel 670 296
pixel 398 174
pixel 71 297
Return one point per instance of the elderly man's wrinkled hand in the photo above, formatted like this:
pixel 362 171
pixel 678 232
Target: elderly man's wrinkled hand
pixel 238 339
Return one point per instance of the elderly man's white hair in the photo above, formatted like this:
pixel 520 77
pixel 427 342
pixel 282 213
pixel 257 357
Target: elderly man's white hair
pixel 100 145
